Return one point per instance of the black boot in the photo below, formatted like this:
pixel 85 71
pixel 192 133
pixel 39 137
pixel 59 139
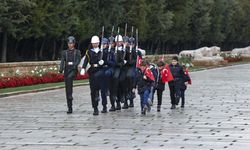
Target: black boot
pixel 125 106
pixel 118 106
pixel 112 108
pixel 131 104
pixel 158 108
pixel 182 105
pixel 144 110
pixel 104 110
pixel 96 111
pixel 173 107
pixel 70 110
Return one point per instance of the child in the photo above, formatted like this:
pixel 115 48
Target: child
pixel 174 86
pixel 145 81
pixel 160 86
pixel 184 84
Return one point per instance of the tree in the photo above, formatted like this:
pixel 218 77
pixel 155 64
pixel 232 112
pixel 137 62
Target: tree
pixel 13 17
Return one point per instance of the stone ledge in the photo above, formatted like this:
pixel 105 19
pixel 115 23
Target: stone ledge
pixel 28 64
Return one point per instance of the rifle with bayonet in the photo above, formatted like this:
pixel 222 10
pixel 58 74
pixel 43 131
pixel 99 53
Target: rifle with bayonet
pixel 117 40
pixel 131 45
pixel 125 41
pixel 101 43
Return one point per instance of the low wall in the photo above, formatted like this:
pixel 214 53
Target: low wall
pixel 28 68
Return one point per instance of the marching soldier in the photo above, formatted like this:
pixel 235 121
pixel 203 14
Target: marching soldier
pixel 70 59
pixel 107 72
pixel 131 57
pixel 112 82
pixel 119 76
pixel 93 58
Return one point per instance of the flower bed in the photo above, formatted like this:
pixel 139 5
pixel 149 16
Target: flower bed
pixel 229 57
pixel 49 77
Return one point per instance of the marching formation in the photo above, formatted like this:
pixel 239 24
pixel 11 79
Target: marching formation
pixel 116 68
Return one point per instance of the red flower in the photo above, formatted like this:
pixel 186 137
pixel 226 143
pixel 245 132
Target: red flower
pixel 50 77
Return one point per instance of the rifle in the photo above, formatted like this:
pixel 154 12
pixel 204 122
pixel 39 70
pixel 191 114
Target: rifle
pixel 101 43
pixel 111 39
pixel 137 39
pixel 116 46
pixel 131 46
pixel 136 48
pixel 125 40
pixel 132 32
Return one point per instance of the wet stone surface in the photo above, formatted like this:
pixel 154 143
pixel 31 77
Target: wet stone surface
pixel 216 116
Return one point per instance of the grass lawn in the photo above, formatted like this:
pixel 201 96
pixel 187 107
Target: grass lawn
pixel 38 86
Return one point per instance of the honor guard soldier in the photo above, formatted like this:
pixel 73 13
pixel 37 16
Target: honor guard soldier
pixel 70 59
pixel 131 58
pixel 106 69
pixel 93 58
pixel 118 76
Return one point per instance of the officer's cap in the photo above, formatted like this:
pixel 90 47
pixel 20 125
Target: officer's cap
pixel 71 40
pixel 105 41
pixel 131 40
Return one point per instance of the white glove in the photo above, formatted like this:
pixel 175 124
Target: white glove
pixel 125 61
pixel 101 62
pixel 82 72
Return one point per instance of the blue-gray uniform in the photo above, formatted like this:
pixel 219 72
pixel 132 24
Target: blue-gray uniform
pixel 106 68
pixel 130 67
pixel 70 59
pixel 93 57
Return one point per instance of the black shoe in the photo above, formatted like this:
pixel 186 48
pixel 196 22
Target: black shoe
pixel 144 111
pixel 104 110
pixel 96 112
pixel 173 107
pixel 158 108
pixel 118 107
pixel 70 111
pixel 149 108
pixel 131 104
pixel 112 108
pixel 182 106
pixel 125 106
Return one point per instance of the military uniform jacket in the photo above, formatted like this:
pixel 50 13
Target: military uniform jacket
pixel 70 60
pixel 93 59
pixel 119 58
pixel 108 58
pixel 131 57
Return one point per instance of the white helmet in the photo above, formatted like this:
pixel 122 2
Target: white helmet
pixel 118 38
pixel 95 39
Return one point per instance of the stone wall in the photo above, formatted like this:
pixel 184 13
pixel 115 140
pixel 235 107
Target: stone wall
pixel 28 68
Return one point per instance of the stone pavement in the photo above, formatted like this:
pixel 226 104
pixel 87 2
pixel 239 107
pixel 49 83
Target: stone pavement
pixel 216 116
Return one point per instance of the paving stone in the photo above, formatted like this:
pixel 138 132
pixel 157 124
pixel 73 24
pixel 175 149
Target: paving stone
pixel 216 116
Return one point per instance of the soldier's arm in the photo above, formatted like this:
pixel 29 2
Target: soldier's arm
pixel 62 64
pixel 85 63
pixel 134 59
pixel 78 58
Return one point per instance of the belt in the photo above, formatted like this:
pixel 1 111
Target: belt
pixel 94 65
pixel 105 66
